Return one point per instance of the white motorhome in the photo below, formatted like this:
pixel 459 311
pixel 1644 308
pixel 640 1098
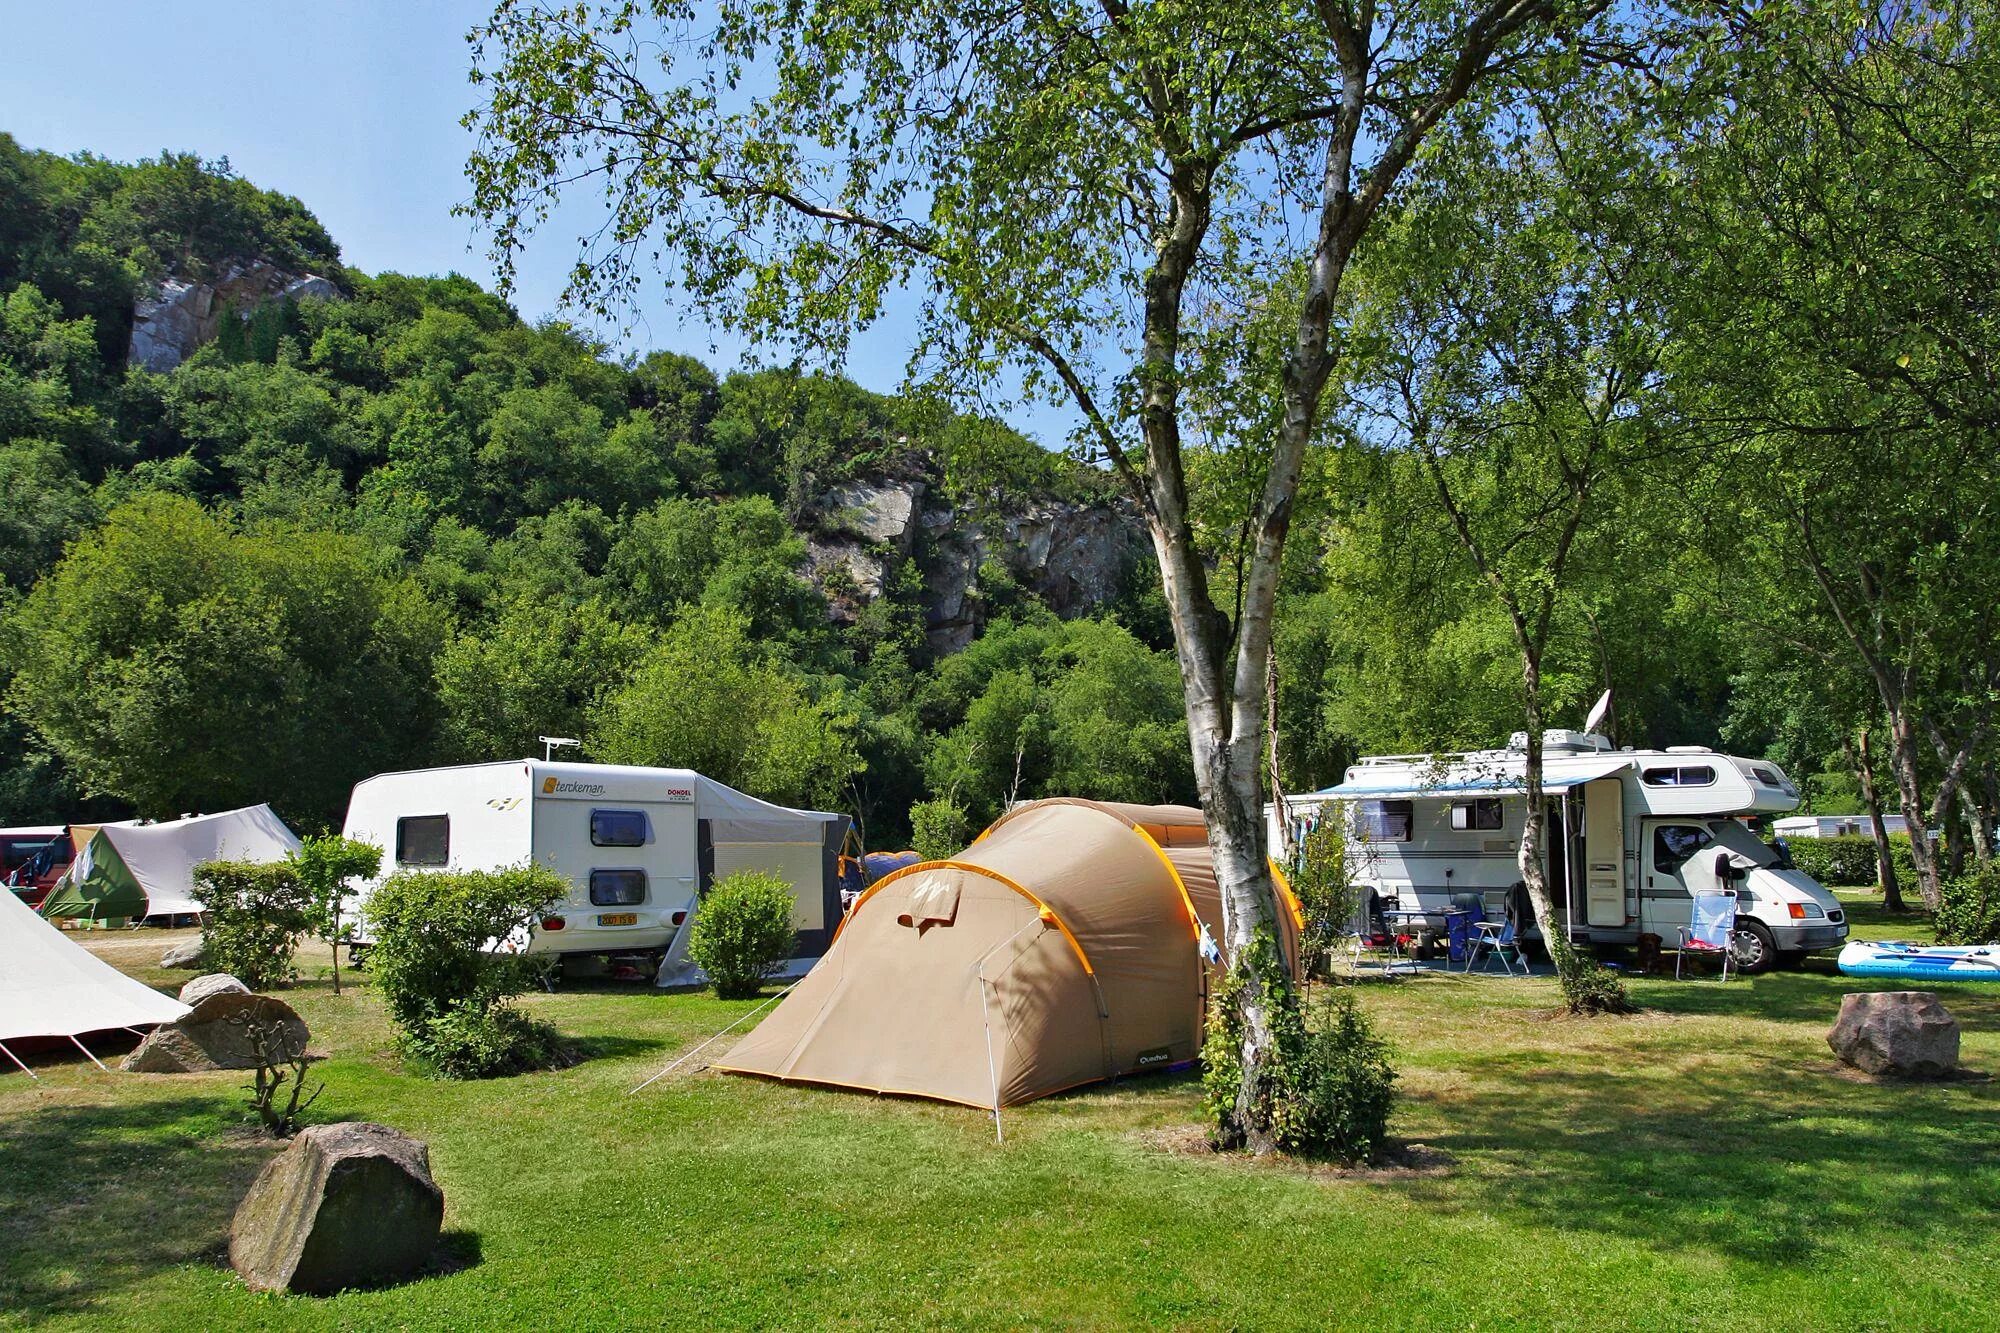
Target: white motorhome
pixel 637 845
pixel 1632 835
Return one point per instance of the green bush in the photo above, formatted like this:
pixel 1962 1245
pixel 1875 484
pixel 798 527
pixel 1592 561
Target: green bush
pixel 1970 911
pixel 1328 896
pixel 742 931
pixel 1848 861
pixel 939 830
pixel 252 918
pixel 1326 1092
pixel 1588 987
pixel 447 990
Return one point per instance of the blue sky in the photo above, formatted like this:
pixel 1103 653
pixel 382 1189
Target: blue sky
pixel 353 107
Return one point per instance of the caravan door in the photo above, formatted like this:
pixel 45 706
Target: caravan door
pixel 1604 853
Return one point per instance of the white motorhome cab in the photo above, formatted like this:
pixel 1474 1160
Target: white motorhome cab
pixel 1632 835
pixel 637 845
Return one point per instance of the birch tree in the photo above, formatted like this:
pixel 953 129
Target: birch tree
pixel 1084 195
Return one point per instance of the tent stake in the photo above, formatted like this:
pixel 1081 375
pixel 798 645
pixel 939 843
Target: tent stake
pixel 17 1062
pixel 86 1050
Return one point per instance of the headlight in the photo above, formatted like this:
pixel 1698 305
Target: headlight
pixel 1804 911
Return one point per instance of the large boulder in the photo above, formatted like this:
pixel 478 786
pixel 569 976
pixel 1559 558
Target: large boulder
pixel 215 983
pixel 185 956
pixel 349 1205
pixel 183 314
pixel 216 1034
pixel 1908 1033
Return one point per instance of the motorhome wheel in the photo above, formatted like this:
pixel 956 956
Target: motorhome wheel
pixel 1755 950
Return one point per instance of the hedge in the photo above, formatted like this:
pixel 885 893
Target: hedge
pixel 1849 861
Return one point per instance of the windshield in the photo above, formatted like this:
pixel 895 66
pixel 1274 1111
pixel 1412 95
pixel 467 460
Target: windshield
pixel 1741 841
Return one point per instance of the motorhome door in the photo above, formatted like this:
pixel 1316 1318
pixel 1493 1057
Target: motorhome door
pixel 1665 901
pixel 1604 852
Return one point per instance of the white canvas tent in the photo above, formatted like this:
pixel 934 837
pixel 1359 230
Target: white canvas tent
pixel 50 986
pixel 135 869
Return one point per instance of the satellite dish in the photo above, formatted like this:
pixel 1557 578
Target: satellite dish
pixel 1598 712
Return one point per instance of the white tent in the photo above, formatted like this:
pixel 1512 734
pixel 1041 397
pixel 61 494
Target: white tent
pixel 131 868
pixel 50 986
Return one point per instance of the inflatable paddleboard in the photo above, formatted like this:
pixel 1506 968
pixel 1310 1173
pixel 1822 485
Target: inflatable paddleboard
pixel 1921 962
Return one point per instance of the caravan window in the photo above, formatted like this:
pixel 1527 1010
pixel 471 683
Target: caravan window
pixel 618 828
pixel 1691 775
pixel 1483 813
pixel 617 888
pixel 1383 821
pixel 423 840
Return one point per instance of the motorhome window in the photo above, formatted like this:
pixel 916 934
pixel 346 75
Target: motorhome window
pixel 423 840
pixel 618 828
pixel 1483 813
pixel 1673 844
pixel 617 888
pixel 1765 776
pixel 1384 821
pixel 1694 775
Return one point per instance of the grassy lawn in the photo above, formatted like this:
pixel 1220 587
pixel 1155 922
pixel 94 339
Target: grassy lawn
pixel 1701 1165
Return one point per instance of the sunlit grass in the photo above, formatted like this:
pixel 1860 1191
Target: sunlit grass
pixel 1701 1165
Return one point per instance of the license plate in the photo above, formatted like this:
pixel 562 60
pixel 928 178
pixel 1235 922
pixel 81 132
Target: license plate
pixel 618 919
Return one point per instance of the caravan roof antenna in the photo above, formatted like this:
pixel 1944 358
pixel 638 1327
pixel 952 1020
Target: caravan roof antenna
pixel 1598 712
pixel 549 744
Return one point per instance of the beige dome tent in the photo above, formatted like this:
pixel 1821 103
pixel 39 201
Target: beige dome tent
pixel 1061 948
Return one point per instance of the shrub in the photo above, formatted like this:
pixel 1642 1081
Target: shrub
pixel 1327 894
pixel 1588 987
pixel 939 829
pixel 326 868
pixel 1849 861
pixel 434 962
pixel 742 931
pixel 1326 1092
pixel 1970 910
pixel 252 918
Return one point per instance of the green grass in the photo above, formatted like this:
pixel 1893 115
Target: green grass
pixel 1701 1165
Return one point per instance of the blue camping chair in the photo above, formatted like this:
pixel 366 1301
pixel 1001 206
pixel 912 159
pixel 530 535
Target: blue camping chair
pixel 1502 940
pixel 1711 931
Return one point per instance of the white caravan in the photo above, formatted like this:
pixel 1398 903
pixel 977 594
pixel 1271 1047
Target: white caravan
pixel 1632 835
pixel 637 845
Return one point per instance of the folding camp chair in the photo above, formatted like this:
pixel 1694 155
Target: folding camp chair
pixel 1498 939
pixel 1711 931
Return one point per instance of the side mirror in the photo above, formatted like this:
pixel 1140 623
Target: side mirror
pixel 1725 869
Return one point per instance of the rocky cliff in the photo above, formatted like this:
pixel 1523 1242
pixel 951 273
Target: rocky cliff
pixel 183 314
pixel 1076 557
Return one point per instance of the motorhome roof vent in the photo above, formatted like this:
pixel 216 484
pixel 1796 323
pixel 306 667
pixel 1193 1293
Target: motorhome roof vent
pixel 1689 749
pixel 1562 739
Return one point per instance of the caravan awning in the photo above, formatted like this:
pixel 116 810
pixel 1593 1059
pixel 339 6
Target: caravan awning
pixel 1460 780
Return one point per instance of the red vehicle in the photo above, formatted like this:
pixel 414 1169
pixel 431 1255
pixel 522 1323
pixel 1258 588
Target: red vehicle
pixel 33 859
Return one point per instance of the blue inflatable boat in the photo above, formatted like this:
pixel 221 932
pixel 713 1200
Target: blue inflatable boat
pixel 1904 960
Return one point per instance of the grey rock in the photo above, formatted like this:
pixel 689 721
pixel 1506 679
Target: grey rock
pixel 1908 1033
pixel 183 956
pixel 347 1205
pixel 876 510
pixel 216 1035
pixel 215 983
pixel 183 314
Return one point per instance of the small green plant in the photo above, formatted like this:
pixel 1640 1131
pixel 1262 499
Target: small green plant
pixel 1970 910
pixel 326 870
pixel 742 931
pixel 939 829
pixel 281 1066
pixel 445 960
pixel 252 917
pixel 1327 1089
pixel 1588 987
pixel 1328 896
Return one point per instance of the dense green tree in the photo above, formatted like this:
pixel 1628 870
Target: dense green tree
pixel 543 668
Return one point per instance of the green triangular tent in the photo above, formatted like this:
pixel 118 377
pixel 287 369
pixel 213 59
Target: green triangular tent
pixel 98 887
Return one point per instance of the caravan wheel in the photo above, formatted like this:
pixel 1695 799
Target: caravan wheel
pixel 1755 950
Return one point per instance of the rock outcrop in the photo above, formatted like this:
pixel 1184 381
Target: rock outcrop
pixel 215 983
pixel 1076 557
pixel 1907 1033
pixel 184 314
pixel 217 1034
pixel 348 1205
